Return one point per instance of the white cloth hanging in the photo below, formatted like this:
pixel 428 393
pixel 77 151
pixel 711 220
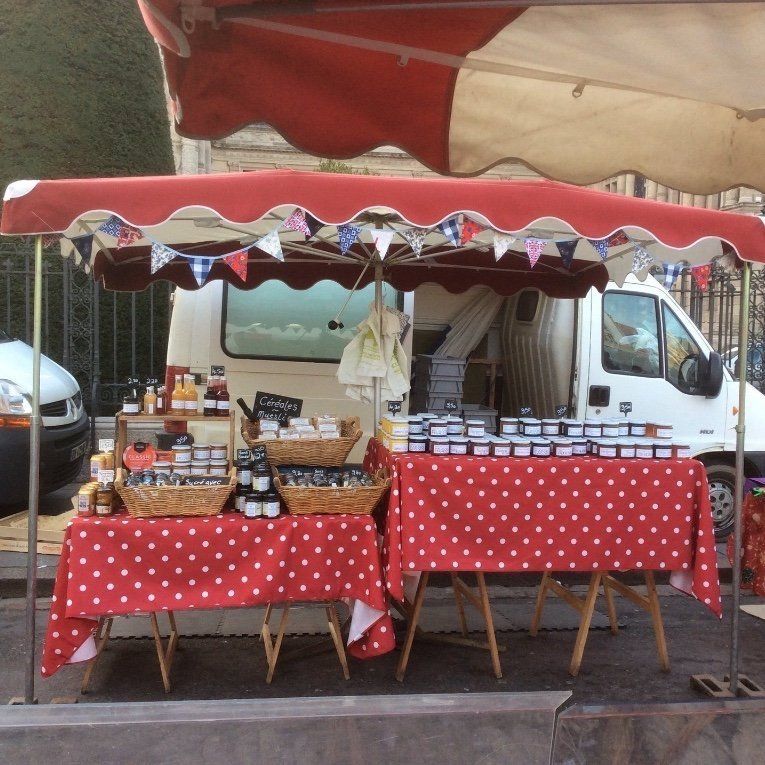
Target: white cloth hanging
pixel 369 355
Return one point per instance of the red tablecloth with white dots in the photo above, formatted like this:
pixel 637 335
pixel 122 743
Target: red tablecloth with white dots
pixel 554 514
pixel 122 565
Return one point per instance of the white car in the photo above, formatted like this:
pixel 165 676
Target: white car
pixel 64 435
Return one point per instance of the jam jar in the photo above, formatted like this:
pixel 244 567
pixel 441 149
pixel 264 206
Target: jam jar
pixel 572 428
pixel 541 447
pixel 625 448
pixel 415 426
pixel 550 427
pixel 607 448
pixel 624 428
pixel 610 428
pixel 681 451
pixel 593 429
pixel 530 426
pixel 458 445
pixel 479 447
pixel 637 428
pixel 475 428
pixel 454 426
pixel 439 444
pixel 501 448
pixel 579 446
pixel 644 449
pixel 418 443
pixel 660 430
pixel 398 444
pixel 521 447
pixel 438 428
pixel 662 449
pixel 509 426
pixel 563 447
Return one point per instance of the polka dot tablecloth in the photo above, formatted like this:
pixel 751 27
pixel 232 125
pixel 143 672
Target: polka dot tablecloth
pixel 123 565
pixel 553 514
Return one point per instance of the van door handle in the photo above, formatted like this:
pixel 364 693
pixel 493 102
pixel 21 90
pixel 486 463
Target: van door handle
pixel 600 395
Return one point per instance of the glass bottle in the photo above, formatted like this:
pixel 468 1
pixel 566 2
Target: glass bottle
pixel 223 399
pixel 210 400
pixel 150 401
pixel 178 400
pixel 161 400
pixel 190 395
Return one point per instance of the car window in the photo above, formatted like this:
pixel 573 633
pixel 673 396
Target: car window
pixel 630 334
pixel 683 354
pixel 274 321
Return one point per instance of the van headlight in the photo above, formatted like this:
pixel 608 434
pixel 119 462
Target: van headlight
pixel 15 406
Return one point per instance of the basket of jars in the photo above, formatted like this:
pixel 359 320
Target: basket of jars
pixel 317 492
pixel 183 496
pixel 325 441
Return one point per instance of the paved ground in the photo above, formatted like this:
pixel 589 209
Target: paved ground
pixel 616 669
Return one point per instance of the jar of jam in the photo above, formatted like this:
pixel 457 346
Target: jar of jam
pixel 161 466
pixel 509 426
pixel 593 429
pixel 681 451
pixel 644 449
pixel 181 454
pixel 475 428
pixel 240 495
pixel 592 446
pixel 624 428
pixel 541 447
pixel 398 426
pixel 500 448
pixel 426 417
pixel 579 447
pixel 662 449
pixel 219 451
pixel 243 472
pixel 550 427
pixel 458 445
pixel 563 447
pixel 637 428
pixel 439 444
pixel 182 468
pixel 415 426
pixel 200 467
pixel 200 452
pixel 438 428
pixel 261 478
pixel 610 428
pixel 479 447
pixel 625 448
pixel 271 506
pixel 454 426
pixel 418 443
pixel 131 405
pixel 607 448
pixel 662 430
pixel 253 505
pixel 572 428
pixel 530 426
pixel 521 447
pixel 104 497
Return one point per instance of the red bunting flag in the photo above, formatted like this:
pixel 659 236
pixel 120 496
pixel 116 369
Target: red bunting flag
pixel 127 235
pixel 618 238
pixel 470 229
pixel 297 222
pixel 701 275
pixel 238 263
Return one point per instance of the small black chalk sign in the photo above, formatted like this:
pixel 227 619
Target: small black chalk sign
pixel 625 407
pixel 526 411
pixel 217 369
pixel 394 407
pixel 451 405
pixel 560 411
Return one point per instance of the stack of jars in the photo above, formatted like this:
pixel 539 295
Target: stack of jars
pixel 255 495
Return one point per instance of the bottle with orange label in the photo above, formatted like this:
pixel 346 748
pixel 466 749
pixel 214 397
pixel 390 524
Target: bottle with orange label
pixel 178 397
pixel 190 395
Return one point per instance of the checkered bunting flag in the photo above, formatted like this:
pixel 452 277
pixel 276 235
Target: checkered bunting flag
pixel 200 267
pixel 502 243
pixel 671 272
pixel 566 250
pixel 161 255
pixel 600 246
pixel 641 259
pixel 534 249
pixel 347 235
pixel 451 230
pixel 270 243
pixel 297 222
pixel 416 238
pixel 382 239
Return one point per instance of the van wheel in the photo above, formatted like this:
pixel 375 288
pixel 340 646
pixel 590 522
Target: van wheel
pixel 722 491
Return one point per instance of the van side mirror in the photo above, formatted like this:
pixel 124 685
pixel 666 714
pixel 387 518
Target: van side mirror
pixel 711 375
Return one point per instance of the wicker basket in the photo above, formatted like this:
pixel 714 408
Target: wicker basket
pixel 313 500
pixel 330 452
pixel 175 501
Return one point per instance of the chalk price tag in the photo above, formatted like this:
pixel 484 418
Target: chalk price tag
pixel 451 405
pixel 271 406
pixel 625 407
pixel 106 476
pixel 243 455
pixel 134 381
pixel 259 453
pixel 152 381
pixel 394 407
pixel 217 369
pixel 105 444
pixel 560 411
pixel 526 411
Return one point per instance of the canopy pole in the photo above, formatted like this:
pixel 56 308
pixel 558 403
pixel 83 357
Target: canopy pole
pixel 377 381
pixel 743 354
pixel 34 481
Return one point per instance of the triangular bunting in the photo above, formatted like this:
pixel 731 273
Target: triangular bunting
pixel 701 275
pixel 534 249
pixel 600 246
pixel 312 224
pixel 641 259
pixel 347 235
pixel 382 239
pixel 451 230
pixel 297 222
pixel 84 245
pixel 127 236
pixel 270 243
pixel 470 229
pixel 50 240
pixel 111 226
pixel 200 267
pixel 502 243
pixel 161 255
pixel 416 238
pixel 566 250
pixel 671 272
pixel 618 239
pixel 237 261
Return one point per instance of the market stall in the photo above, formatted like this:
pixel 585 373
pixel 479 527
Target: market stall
pixel 303 227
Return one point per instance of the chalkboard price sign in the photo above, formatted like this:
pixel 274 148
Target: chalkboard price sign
pixel 270 406
pixel 134 381
pixel 526 411
pixel 560 411
pixel 451 405
pixel 394 407
pixel 217 369
pixel 625 407
pixel 243 455
pixel 259 453
pixel 152 381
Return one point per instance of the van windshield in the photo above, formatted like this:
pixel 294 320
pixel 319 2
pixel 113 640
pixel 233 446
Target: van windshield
pixel 274 321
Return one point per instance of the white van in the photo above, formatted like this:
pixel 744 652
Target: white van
pixel 627 350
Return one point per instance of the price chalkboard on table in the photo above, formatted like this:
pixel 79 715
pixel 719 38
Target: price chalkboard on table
pixel 271 406
pixel 451 405
pixel 259 453
pixel 526 411
pixel 394 407
pixel 625 407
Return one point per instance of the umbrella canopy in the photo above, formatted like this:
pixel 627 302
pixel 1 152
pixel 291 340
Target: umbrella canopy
pixel 302 227
pixel 578 92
